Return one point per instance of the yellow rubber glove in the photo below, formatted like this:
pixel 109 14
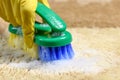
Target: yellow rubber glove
pixel 21 13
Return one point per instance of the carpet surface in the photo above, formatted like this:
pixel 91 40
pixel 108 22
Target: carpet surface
pixel 95 27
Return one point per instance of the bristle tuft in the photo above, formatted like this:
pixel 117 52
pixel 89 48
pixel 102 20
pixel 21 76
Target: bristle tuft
pixel 55 53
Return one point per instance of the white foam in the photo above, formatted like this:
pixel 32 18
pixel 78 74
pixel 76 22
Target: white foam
pixel 93 64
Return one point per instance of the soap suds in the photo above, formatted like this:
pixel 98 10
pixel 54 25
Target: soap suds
pixel 94 63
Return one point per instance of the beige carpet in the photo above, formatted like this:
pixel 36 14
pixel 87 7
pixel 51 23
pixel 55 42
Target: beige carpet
pixel 94 25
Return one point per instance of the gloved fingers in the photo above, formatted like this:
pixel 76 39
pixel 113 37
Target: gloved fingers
pixel 29 39
pixel 2 11
pixel 11 39
pixel 32 52
pixel 17 42
pixel 16 11
pixel 27 10
pixel 6 8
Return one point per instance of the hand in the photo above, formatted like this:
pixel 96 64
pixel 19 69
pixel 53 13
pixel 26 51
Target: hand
pixel 21 13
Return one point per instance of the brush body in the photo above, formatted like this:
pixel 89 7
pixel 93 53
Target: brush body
pixel 52 38
pixel 51 46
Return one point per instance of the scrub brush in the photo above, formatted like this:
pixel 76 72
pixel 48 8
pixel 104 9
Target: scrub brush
pixel 53 41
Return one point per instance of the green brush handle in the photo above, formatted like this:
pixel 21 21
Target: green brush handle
pixel 43 27
pixel 15 30
pixel 40 28
pixel 52 39
pixel 55 22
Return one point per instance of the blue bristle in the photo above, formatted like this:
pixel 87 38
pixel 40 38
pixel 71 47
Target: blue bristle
pixel 64 52
pixel 59 53
pixel 70 51
pixel 53 56
pixel 44 56
pixel 55 53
